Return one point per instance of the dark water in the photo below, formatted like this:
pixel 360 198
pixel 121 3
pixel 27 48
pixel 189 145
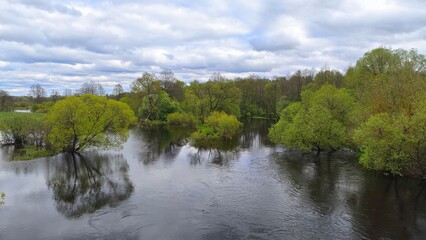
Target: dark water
pixel 159 187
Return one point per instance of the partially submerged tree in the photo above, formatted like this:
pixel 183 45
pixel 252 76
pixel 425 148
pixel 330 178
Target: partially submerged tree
pixel 395 143
pixel 390 86
pixel 88 121
pixel 318 122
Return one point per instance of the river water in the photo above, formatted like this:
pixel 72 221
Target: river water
pixel 160 187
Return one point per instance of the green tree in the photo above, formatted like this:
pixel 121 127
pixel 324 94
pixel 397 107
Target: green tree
pixel 6 103
pixel 389 86
pixel 201 99
pixel 296 83
pixel 88 121
pixel 147 95
pixel 194 102
pixel 395 143
pixel 318 122
pixel 386 80
pixel 157 106
pixel 272 96
pixel 326 76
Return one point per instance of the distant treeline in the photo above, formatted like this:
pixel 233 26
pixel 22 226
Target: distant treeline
pixel 152 96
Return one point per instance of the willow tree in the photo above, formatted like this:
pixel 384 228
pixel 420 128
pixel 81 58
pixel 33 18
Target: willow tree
pixel 319 122
pixel 88 121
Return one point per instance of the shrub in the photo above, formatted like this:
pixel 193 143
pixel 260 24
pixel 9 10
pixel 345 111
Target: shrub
pixel 42 107
pixel 218 125
pixel 181 119
pixel 20 129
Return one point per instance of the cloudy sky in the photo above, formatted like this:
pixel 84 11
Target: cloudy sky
pixel 61 44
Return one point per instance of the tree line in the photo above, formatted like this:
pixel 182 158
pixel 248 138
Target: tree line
pixel 152 97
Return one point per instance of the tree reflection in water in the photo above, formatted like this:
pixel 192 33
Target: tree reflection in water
pixel 162 141
pixel 218 152
pixel 85 183
pixel 365 200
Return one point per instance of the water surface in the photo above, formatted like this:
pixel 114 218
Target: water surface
pixel 160 187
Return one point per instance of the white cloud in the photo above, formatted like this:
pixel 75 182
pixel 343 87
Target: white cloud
pixel 65 43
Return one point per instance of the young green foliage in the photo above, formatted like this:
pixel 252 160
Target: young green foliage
pixel 88 121
pixel 218 125
pixel 395 143
pixel 318 122
pixel 201 99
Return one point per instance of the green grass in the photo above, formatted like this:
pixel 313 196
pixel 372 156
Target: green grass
pixel 11 114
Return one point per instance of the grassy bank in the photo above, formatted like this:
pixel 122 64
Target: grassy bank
pixel 28 151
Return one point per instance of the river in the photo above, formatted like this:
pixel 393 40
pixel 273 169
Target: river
pixel 160 187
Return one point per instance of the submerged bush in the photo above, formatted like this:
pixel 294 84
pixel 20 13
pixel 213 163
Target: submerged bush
pixel 218 125
pixel 181 119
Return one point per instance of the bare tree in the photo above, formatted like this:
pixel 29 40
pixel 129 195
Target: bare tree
pixel 167 75
pixel 117 91
pixel 92 88
pixel 217 77
pixel 37 92
pixel 67 92
pixel 54 95
pixel 171 84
